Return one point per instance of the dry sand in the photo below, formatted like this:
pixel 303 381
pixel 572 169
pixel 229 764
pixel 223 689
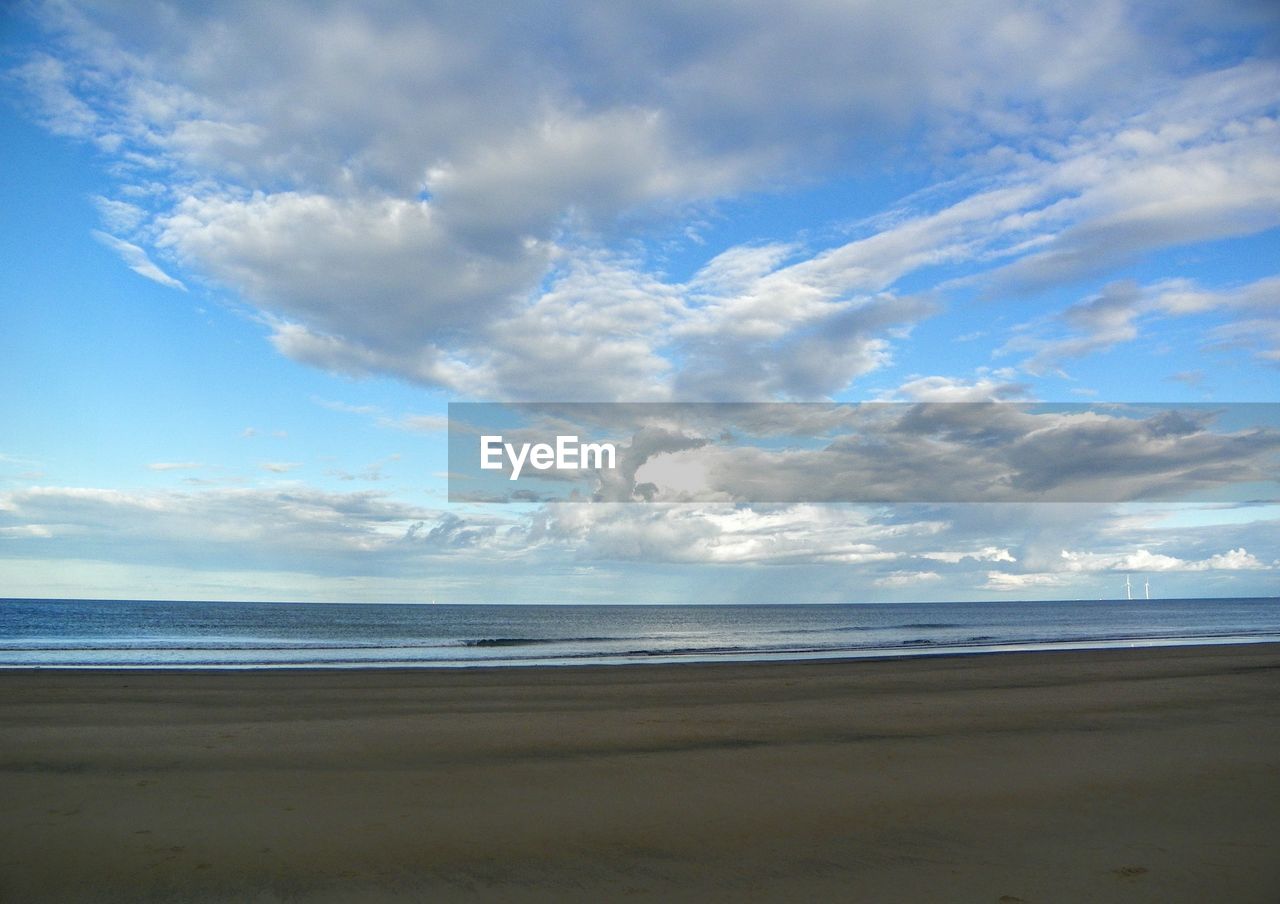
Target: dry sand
pixel 1127 775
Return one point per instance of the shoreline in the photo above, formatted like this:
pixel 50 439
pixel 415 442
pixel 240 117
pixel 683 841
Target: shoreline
pixel 1214 648
pixel 659 659
pixel 1146 774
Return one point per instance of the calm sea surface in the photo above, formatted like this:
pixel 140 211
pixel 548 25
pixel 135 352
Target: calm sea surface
pixel 125 633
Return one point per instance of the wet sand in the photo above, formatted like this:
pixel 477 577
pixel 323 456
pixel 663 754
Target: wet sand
pixel 1125 775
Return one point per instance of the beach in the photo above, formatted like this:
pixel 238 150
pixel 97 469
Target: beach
pixel 1106 775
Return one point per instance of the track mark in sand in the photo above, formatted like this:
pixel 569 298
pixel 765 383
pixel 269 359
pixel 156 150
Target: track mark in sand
pixel 1130 872
pixel 163 854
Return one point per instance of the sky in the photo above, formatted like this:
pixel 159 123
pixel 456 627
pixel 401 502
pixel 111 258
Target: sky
pixel 252 252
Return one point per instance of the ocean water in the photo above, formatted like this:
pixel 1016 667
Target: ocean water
pixel 150 634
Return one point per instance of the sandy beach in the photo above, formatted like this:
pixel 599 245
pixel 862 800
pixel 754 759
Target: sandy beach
pixel 1125 775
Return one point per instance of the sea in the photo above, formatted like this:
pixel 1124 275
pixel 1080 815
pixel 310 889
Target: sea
pixel 239 635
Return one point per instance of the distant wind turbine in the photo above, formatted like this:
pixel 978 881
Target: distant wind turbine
pixel 1146 587
pixel 1128 590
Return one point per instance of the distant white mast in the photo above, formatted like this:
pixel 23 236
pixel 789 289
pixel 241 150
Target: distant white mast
pixel 1128 590
pixel 1146 587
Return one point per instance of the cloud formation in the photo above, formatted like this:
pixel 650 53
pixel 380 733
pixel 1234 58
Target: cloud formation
pixel 709 202
pixel 393 202
pixel 840 552
pixel 294 529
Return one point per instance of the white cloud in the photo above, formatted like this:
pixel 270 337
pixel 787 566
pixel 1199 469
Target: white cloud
pixel 1115 199
pixel 1004 581
pixel 27 531
pixel 279 467
pixel 174 466
pixel 345 407
pixel 120 216
pixel 906 578
pixel 594 333
pixel 985 554
pixel 725 535
pixel 1262 335
pixel 296 529
pixel 371 472
pixel 1100 323
pixel 1235 560
pixel 1144 560
pixel 417 423
pixel 952 390
pixel 136 259
pixel 382 273
pixel 50 84
pixel 1113 316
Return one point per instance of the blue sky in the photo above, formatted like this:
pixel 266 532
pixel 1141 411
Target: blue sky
pixel 251 254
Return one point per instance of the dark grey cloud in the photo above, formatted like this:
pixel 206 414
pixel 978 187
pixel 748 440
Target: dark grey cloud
pixel 893 452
